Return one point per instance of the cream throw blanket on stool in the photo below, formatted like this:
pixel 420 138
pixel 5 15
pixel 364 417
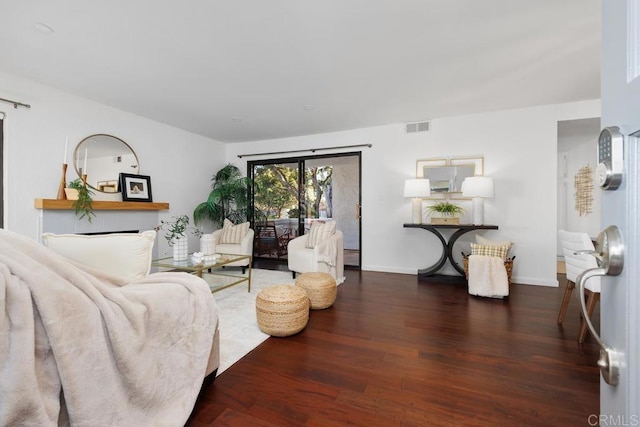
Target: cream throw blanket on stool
pixel 85 348
pixel 488 276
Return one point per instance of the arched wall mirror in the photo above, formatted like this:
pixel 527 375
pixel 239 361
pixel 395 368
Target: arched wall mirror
pixel 106 157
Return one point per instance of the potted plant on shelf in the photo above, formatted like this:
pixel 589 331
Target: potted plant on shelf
pixel 82 201
pixel 176 235
pixel 228 198
pixel 445 213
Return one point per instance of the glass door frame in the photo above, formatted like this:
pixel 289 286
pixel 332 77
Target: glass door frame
pixel 301 161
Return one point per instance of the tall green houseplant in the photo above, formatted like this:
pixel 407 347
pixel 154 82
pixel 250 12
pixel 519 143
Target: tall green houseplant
pixel 228 198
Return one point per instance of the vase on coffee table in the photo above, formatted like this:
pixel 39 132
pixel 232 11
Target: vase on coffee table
pixel 180 248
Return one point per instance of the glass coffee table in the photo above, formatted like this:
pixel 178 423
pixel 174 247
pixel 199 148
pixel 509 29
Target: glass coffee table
pixel 220 280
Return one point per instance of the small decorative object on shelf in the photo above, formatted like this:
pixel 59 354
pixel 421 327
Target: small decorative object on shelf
pixel 135 188
pixel 70 193
pixel 445 213
pixel 62 195
pixel 63 181
pixel 82 201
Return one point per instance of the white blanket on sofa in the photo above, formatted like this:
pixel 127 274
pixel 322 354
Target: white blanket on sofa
pixel 79 347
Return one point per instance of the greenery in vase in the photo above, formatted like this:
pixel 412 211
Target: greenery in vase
pixel 445 209
pixel 84 204
pixel 177 227
pixel 229 198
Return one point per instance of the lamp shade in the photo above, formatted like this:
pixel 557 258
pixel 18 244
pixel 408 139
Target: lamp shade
pixel 477 186
pixel 417 188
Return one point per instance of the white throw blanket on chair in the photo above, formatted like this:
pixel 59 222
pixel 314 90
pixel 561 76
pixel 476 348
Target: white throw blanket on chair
pixel 327 252
pixel 85 348
pixel 488 276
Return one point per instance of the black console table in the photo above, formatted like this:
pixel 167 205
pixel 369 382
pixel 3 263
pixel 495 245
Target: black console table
pixel 447 247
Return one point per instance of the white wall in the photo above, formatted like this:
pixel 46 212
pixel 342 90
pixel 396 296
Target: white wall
pixel 520 153
pixel 180 163
pixel 519 148
pixel 576 149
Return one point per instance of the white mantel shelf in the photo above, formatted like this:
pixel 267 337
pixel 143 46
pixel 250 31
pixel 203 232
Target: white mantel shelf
pixel 54 204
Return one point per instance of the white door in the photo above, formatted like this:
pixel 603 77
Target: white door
pixel 620 296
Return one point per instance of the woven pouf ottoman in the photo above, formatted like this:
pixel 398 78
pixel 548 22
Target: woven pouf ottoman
pixel 320 288
pixel 282 310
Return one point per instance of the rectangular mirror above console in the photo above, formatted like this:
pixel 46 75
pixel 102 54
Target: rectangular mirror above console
pixel 446 175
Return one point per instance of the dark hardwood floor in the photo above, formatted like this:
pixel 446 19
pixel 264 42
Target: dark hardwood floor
pixel 396 352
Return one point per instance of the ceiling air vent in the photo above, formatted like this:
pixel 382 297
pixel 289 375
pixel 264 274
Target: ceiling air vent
pixel 416 127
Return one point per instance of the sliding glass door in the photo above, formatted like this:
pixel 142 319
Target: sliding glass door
pixel 274 209
pixel 289 195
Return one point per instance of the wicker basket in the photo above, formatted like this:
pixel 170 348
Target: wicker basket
pixel 282 310
pixel 508 265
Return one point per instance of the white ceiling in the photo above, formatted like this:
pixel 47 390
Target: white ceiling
pixel 241 70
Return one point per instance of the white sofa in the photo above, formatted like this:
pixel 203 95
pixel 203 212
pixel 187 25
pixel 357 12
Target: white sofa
pixel 124 254
pixel 129 348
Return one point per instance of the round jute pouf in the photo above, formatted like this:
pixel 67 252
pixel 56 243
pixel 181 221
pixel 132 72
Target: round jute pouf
pixel 320 288
pixel 282 310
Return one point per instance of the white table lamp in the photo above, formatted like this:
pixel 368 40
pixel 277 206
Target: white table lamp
pixel 417 189
pixel 478 188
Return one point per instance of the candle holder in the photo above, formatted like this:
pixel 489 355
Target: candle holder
pixel 84 179
pixel 63 183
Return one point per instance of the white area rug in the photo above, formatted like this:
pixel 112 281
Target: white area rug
pixel 239 332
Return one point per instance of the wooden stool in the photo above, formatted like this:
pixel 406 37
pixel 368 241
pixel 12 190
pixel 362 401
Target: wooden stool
pixel 282 310
pixel 320 288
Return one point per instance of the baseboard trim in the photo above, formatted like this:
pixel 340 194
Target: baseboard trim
pixel 535 281
pixel 522 280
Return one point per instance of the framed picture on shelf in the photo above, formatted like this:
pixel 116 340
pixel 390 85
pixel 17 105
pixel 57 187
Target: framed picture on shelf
pixel 135 188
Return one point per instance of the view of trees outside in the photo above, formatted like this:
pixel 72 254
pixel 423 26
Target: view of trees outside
pixel 276 191
pixel 318 191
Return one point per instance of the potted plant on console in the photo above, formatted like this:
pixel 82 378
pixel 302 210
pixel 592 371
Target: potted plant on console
pixel 445 212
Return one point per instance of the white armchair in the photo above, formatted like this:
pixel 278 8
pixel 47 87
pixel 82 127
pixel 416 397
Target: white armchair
pixel 327 256
pixel 245 247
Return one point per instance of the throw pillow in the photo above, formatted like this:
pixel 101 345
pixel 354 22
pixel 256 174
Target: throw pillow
pixel 123 254
pixel 490 250
pixel 484 241
pixel 320 231
pixel 233 233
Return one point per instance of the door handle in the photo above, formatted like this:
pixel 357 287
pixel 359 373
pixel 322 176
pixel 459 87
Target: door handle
pixel 610 257
pixel 595 254
pixel 358 211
